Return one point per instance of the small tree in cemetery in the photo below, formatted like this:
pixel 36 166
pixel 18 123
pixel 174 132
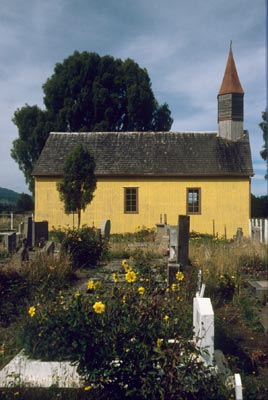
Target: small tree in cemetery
pixel 79 181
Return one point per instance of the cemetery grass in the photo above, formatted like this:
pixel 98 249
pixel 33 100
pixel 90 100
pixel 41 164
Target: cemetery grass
pixel 227 268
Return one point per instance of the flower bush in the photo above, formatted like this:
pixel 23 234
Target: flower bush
pixel 85 246
pixel 118 334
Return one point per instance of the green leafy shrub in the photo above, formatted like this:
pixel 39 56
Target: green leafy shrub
pixel 118 335
pixel 84 246
pixel 14 291
pixel 221 288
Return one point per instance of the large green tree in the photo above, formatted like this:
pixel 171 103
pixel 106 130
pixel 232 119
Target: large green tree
pixel 24 203
pixel 263 126
pixel 264 151
pixel 79 181
pixel 87 93
pixel 33 126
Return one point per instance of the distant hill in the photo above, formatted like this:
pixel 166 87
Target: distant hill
pixel 8 196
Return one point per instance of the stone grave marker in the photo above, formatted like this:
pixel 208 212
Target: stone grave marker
pixel 106 229
pixel 183 239
pixel 259 289
pixel 28 230
pixel 173 243
pixel 40 231
pixel 203 322
pixel 238 387
pixel 10 242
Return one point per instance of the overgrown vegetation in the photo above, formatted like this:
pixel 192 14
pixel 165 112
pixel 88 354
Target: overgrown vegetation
pixel 85 246
pixel 128 314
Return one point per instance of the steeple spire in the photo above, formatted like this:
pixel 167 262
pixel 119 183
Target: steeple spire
pixel 230 82
pixel 231 102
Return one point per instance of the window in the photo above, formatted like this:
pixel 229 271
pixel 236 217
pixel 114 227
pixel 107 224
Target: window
pixel 193 201
pixel 131 200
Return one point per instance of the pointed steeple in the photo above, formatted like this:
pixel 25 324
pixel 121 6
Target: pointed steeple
pixel 230 82
pixel 231 102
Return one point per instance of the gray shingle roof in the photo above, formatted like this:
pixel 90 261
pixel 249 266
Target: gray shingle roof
pixel 150 154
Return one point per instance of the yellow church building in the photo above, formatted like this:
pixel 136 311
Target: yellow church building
pixel 142 175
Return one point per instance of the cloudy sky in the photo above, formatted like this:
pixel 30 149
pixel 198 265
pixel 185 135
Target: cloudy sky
pixel 183 44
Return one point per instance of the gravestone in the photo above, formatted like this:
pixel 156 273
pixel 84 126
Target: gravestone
pixel 259 289
pixel 173 243
pixel 238 387
pixel 203 322
pixel 183 240
pixel 40 231
pixel 28 230
pixel 48 248
pixel 161 231
pixel 10 242
pixel 106 229
pixel 239 234
pixel 179 241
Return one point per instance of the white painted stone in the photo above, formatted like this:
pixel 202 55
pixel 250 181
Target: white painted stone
pixel 203 322
pixel 22 371
pixel 238 387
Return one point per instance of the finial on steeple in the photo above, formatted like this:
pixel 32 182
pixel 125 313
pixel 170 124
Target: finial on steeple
pixel 231 42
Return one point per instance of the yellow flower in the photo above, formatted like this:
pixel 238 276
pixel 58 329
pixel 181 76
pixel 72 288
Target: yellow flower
pixel 141 290
pixel 166 317
pixel 90 285
pixel 77 294
pixel 51 267
pixel 86 388
pixel 174 287
pixel 131 276
pixel 31 311
pixel 126 266
pixel 115 277
pixel 99 307
pixel 179 276
pixel 158 342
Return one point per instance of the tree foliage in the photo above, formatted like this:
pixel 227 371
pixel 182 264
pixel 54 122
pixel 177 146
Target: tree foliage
pixel 24 203
pixel 259 206
pixel 79 181
pixel 263 126
pixel 87 93
pixel 33 126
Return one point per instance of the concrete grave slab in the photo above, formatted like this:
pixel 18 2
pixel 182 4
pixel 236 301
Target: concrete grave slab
pixel 259 288
pixel 22 371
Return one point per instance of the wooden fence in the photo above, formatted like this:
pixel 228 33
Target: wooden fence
pixel 258 230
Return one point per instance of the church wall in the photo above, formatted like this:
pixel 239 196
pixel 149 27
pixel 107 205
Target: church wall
pixel 225 204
